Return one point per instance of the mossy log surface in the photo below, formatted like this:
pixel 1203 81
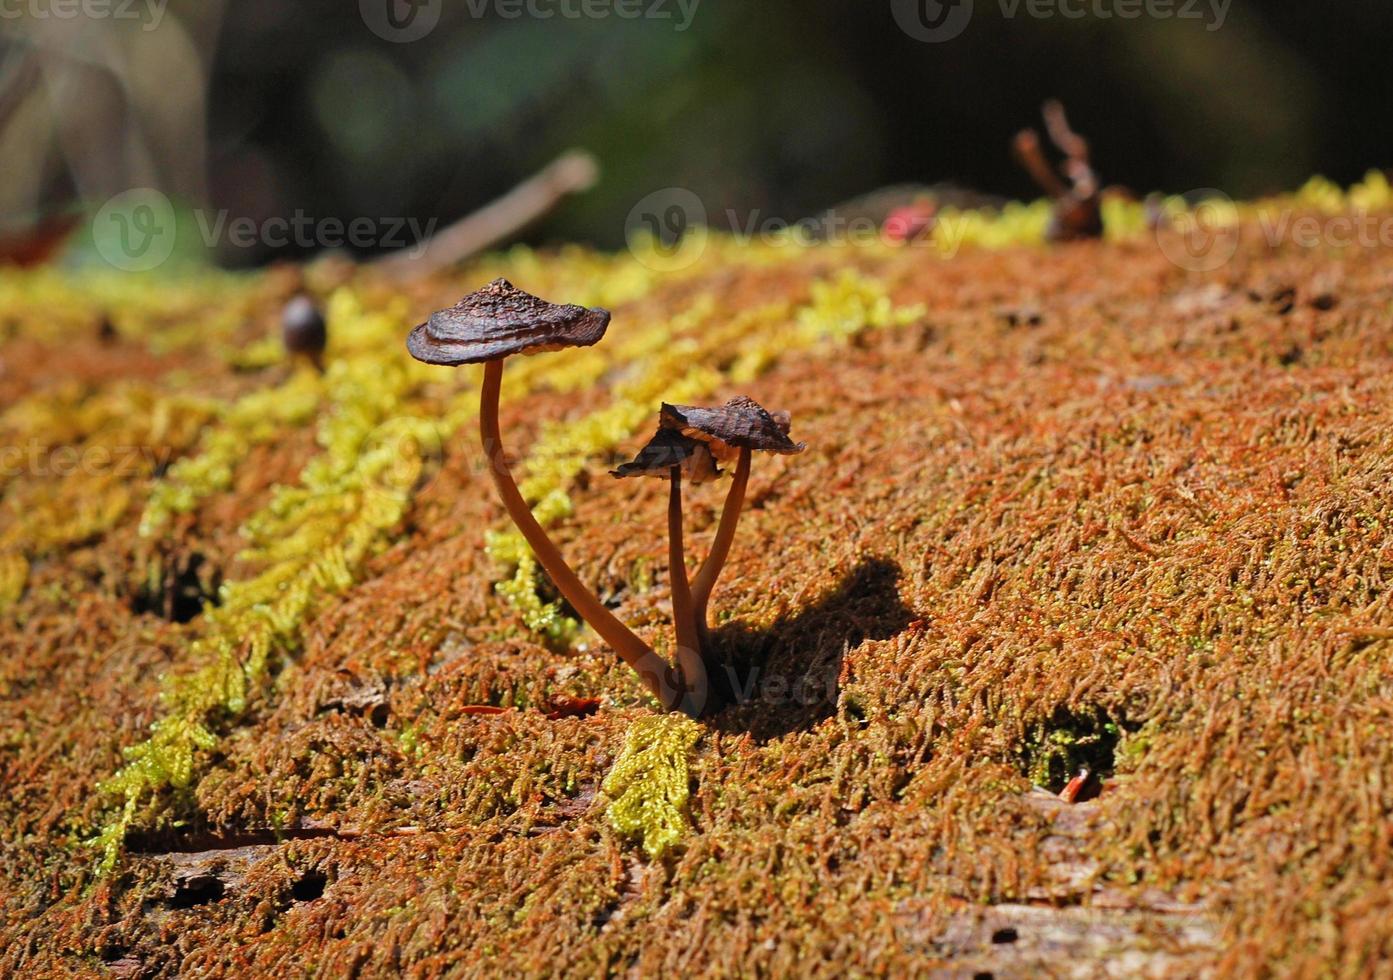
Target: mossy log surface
pixel 1060 506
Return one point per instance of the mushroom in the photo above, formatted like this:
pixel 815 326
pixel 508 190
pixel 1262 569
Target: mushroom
pixel 733 431
pixel 1078 204
pixel 487 327
pixel 666 450
pixel 303 331
pixel 668 456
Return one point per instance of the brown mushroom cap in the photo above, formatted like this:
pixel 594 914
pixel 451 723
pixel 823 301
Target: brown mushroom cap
pixel 501 320
pixel 740 423
pixel 668 449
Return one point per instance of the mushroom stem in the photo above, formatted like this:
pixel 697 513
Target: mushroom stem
pixel 690 664
pixel 651 669
pixel 710 569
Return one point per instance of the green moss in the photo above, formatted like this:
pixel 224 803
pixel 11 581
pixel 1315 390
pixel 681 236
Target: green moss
pixel 255 419
pixel 310 540
pixel 648 786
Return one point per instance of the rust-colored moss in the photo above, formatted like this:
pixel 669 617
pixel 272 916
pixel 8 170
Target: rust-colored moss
pixel 1059 505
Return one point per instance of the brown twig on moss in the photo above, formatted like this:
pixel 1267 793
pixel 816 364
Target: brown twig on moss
pixel 1078 202
pixel 500 220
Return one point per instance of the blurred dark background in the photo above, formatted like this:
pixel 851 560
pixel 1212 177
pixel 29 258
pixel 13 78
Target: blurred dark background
pixel 266 108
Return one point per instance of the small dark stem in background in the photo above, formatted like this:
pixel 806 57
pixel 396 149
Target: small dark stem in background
pixel 1032 158
pixel 1073 146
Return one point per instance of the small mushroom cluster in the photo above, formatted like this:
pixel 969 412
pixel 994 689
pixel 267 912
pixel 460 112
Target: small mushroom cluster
pixel 499 321
pixel 690 442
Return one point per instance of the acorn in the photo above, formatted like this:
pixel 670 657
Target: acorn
pixel 304 331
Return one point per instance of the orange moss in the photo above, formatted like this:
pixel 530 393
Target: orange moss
pixel 1086 505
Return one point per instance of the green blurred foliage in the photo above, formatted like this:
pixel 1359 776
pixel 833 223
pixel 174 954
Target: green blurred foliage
pixel 781 106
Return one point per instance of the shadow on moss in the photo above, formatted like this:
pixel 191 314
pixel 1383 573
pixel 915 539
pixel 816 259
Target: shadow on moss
pixel 786 678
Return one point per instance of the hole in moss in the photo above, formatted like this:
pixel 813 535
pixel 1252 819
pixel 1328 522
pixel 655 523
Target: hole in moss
pixel 377 716
pixel 1055 750
pixel 551 596
pixel 1003 936
pixel 198 890
pixel 183 592
pixel 309 887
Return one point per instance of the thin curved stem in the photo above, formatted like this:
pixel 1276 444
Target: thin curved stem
pixel 1032 159
pixel 651 668
pixel 689 654
pixel 710 570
